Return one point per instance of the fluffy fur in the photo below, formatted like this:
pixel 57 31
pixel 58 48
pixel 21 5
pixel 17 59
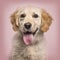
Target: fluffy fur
pixel 35 51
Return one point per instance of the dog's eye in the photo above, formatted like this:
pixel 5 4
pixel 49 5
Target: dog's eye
pixel 22 15
pixel 35 16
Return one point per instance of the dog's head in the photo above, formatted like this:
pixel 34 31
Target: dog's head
pixel 30 21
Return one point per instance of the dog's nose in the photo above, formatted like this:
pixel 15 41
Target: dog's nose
pixel 27 25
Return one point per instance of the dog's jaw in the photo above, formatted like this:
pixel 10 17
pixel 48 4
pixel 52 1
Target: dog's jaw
pixel 28 37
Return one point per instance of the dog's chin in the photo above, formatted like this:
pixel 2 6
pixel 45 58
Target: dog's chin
pixel 28 36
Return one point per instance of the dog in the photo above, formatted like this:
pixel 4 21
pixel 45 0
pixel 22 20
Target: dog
pixel 29 23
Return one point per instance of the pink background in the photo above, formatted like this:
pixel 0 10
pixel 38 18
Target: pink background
pixel 52 36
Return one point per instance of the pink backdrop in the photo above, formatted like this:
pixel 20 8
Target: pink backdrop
pixel 6 33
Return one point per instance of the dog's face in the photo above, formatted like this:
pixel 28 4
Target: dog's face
pixel 29 21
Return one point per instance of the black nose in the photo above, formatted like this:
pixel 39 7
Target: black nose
pixel 27 25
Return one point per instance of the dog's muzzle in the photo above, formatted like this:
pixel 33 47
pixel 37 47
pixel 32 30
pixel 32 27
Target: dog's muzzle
pixel 28 36
pixel 27 25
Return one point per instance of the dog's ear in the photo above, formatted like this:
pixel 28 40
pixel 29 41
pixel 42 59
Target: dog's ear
pixel 14 20
pixel 46 20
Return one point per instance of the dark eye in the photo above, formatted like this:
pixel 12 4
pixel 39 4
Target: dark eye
pixel 22 15
pixel 35 16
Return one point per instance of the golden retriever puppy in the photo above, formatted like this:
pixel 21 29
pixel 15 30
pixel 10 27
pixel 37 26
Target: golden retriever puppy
pixel 30 24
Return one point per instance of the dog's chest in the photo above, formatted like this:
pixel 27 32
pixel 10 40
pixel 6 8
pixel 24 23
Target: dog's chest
pixel 31 53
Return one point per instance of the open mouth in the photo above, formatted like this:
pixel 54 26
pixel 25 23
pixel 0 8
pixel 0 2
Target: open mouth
pixel 28 37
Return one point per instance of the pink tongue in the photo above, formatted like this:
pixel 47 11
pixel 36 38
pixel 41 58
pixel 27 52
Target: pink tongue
pixel 28 38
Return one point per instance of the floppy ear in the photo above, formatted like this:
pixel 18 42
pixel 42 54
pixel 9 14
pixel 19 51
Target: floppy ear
pixel 14 21
pixel 46 20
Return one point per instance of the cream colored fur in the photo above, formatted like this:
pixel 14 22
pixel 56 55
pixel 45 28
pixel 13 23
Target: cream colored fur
pixel 35 51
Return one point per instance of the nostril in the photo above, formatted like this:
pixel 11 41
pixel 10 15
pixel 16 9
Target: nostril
pixel 27 25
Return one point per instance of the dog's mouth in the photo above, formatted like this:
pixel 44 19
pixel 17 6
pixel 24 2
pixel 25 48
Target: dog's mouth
pixel 28 37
